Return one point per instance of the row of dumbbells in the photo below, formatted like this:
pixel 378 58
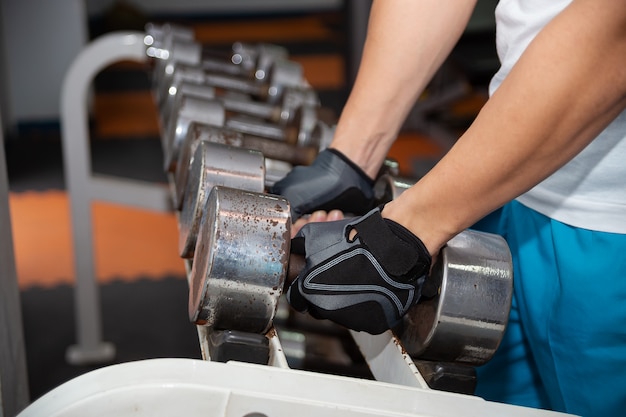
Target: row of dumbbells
pixel 255 93
pixel 232 124
pixel 225 121
pixel 210 106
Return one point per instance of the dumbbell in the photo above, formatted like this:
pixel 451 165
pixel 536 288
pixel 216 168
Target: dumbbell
pixel 215 164
pixel 484 331
pixel 159 38
pixel 282 112
pixel 242 262
pixel 271 149
pixel 250 61
pixel 175 45
pixel 304 130
pixel 281 74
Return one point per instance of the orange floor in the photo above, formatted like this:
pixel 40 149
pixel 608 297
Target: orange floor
pixel 128 242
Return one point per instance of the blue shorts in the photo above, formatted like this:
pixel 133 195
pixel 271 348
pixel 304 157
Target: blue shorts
pixel 565 345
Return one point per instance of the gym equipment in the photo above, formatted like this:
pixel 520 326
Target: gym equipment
pixel 158 35
pixel 281 74
pixel 171 44
pixel 215 164
pixel 245 60
pixel 389 185
pixel 305 129
pixel 271 149
pixel 239 266
pixel 483 321
pixel 470 297
pixel 284 114
pixel 242 262
pixel 280 113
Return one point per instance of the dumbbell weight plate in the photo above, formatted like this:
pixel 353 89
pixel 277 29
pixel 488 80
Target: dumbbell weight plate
pixel 215 164
pixel 163 34
pixel 240 262
pixel 197 133
pixel 464 318
pixel 464 321
pixel 257 56
pixel 199 91
pixel 188 109
pixel 252 62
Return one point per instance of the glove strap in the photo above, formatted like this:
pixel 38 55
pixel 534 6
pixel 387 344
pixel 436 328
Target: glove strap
pixel 352 165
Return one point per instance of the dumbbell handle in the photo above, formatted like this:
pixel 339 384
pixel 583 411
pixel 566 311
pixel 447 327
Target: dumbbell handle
pixel 240 85
pixel 254 127
pixel 296 265
pixel 282 151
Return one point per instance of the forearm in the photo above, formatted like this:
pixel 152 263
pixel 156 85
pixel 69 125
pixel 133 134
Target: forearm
pixel 407 42
pixel 567 86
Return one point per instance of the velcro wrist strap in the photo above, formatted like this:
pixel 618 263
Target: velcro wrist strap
pixel 404 255
pixel 352 165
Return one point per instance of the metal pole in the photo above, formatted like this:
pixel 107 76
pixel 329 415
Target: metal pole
pixel 83 188
pixel 14 395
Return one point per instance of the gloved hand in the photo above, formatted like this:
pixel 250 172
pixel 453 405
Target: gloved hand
pixel 332 181
pixel 366 283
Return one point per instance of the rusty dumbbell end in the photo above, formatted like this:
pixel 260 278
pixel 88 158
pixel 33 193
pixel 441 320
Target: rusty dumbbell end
pixel 242 262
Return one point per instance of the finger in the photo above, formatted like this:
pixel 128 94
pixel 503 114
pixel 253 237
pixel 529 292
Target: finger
pixel 318 216
pixel 335 215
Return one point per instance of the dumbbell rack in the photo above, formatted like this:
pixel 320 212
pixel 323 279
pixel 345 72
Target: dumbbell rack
pixel 384 354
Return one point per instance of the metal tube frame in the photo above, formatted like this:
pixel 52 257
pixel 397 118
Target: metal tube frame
pixel 83 187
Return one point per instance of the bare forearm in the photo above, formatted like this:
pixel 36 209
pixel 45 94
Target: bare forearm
pixel 407 41
pixel 568 86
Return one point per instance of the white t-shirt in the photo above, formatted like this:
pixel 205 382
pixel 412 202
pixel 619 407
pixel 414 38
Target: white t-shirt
pixel 590 191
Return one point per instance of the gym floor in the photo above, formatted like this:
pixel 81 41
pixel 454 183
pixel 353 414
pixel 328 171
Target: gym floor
pixel 142 280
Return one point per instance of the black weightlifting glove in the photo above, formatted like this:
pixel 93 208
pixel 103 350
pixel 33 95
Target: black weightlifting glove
pixel 332 181
pixel 365 284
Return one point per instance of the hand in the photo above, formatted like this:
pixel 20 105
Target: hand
pixel 332 181
pixel 362 273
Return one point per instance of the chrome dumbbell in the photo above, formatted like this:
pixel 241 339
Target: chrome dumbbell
pixel 242 262
pixel 281 113
pixel 174 44
pixel 427 330
pixel 272 150
pixel 281 74
pixel 213 165
pixel 305 130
